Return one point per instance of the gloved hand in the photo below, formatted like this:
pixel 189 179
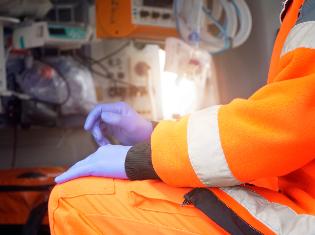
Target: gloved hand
pixel 119 120
pixel 107 161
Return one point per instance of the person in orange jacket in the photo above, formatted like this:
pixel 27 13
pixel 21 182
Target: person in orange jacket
pixel 246 167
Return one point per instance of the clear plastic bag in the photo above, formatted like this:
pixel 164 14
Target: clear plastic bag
pixel 186 61
pixel 80 81
pixel 188 69
pixel 43 83
pixel 60 80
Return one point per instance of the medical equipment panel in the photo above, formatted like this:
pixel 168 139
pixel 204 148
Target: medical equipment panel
pixel 146 19
pixel 59 35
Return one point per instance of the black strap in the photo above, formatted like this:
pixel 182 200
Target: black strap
pixel 26 188
pixel 35 219
pixel 217 211
pixel 33 225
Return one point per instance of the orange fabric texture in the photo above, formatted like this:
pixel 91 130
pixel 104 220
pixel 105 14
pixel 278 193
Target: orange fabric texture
pixel 274 126
pixel 93 205
pixel 286 26
pixel 168 161
pixel 16 204
pixel 266 137
pixel 106 206
pixel 300 187
pixel 170 154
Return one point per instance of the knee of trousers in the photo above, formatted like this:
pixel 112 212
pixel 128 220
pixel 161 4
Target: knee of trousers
pixel 94 205
pixel 71 202
pixel 80 187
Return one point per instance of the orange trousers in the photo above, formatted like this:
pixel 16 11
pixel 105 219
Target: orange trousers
pixel 94 205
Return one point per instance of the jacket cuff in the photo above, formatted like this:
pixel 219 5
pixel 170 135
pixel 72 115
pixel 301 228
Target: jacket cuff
pixel 154 124
pixel 138 163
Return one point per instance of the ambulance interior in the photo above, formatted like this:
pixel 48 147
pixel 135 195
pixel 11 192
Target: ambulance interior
pixel 60 58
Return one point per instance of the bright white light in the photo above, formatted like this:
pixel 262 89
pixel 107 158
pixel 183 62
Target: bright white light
pixel 178 94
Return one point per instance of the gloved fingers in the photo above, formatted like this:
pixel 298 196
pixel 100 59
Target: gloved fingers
pixel 108 130
pixel 95 114
pixel 82 162
pixel 112 118
pixel 74 173
pixel 98 135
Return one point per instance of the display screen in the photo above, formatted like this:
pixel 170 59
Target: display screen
pixel 57 31
pixel 158 3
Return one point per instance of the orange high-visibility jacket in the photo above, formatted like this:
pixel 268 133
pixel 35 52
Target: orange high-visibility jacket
pixel 267 140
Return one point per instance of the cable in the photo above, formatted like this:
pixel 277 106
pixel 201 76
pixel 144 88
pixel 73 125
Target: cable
pixel 219 43
pixel 36 99
pixel 227 39
pixel 112 79
pixel 93 61
pixel 33 97
pixel 245 20
pixel 14 146
pixel 114 52
pixel 242 21
pixel 201 38
pixel 233 32
pixel 107 72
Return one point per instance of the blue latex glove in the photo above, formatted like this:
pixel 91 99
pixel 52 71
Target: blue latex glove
pixel 107 161
pixel 119 120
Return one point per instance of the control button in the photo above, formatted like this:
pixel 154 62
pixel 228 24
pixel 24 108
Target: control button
pixel 110 75
pixel 144 14
pixel 121 75
pixel 155 14
pixel 166 16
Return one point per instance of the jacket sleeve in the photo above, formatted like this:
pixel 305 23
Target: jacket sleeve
pixel 268 135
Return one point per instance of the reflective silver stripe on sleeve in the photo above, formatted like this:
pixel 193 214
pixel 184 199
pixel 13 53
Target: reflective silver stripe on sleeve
pixel 205 150
pixel 300 36
pixel 279 218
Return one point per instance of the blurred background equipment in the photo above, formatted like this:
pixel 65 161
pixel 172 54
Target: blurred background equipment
pixel 214 25
pixel 145 19
pixel 4 21
pixel 131 74
pixel 79 80
pixel 208 26
pixel 60 35
pixel 25 8
pixel 43 83
pixel 134 69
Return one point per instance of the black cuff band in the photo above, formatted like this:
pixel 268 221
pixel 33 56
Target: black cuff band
pixel 138 163
pixel 154 124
